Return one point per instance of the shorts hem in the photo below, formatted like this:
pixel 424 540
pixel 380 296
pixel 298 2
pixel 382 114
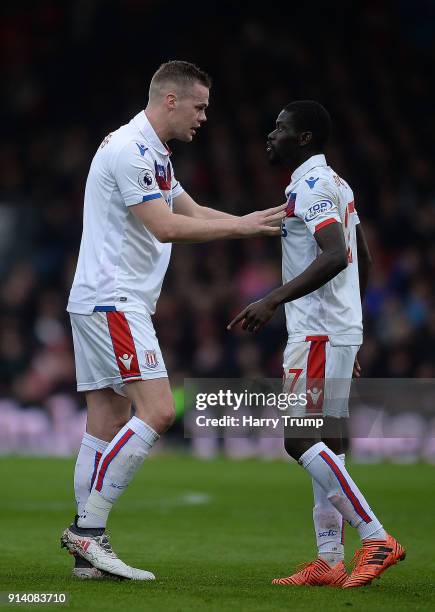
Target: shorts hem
pixel 117 380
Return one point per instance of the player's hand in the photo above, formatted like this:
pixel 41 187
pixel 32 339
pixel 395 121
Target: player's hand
pixel 255 316
pixel 356 368
pixel 266 222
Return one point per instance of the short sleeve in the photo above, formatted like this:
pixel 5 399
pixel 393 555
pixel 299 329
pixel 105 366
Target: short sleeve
pixel 356 217
pixel 136 176
pixel 317 208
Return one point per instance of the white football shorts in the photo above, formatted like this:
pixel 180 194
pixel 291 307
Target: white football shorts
pixel 114 348
pixel 321 372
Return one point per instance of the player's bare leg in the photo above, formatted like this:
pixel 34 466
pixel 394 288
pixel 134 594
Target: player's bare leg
pixel 108 412
pixel 153 402
pixel 118 464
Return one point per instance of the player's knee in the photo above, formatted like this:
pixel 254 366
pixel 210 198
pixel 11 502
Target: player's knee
pixel 160 418
pixel 296 447
pixel 164 419
pixel 292 448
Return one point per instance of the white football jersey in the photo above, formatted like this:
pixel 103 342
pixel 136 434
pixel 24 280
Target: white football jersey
pixel 121 264
pixel 316 197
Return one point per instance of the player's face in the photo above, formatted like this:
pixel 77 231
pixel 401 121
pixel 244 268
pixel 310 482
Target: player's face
pixel 189 113
pixel 282 143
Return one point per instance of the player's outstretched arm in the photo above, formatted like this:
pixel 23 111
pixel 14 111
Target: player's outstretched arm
pixel 331 261
pixel 184 204
pixel 171 227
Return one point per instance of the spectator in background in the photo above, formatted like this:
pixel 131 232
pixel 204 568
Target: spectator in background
pixel 56 78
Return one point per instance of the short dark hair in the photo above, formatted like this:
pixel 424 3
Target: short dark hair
pixel 180 73
pixel 311 116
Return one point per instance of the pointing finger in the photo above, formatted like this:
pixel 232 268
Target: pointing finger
pixel 236 319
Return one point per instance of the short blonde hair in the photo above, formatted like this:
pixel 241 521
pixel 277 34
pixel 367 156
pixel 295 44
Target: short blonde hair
pixel 180 74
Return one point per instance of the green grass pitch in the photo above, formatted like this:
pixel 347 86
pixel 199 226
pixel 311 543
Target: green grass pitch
pixel 215 533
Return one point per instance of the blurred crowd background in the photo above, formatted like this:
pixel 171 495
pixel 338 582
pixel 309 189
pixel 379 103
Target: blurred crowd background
pixel 74 71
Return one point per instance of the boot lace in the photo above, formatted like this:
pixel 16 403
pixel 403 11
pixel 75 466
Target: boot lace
pixel 104 542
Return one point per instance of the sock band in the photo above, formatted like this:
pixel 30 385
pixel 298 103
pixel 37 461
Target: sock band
pixel 144 431
pixel 94 443
pixel 311 454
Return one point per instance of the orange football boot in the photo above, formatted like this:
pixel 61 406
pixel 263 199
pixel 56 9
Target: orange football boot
pixel 372 559
pixel 316 573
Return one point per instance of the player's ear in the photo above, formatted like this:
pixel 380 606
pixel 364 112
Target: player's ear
pixel 171 100
pixel 305 138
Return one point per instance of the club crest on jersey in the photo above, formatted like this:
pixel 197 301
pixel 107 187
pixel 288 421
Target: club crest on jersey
pixel 318 208
pixel 146 180
pixel 291 203
pixel 151 360
pixel 163 176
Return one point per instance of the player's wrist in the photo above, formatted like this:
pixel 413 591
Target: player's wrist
pixel 243 229
pixel 274 299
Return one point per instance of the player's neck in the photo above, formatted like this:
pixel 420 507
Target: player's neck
pixel 158 123
pixel 301 159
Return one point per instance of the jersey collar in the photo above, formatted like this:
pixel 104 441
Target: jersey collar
pixel 145 127
pixel 309 164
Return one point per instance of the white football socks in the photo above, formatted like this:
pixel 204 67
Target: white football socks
pixel 328 525
pixel 327 469
pixel 120 461
pixel 90 453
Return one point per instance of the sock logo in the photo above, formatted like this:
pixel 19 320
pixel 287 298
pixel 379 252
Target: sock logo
pixel 126 360
pixel 114 485
pixel 324 534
